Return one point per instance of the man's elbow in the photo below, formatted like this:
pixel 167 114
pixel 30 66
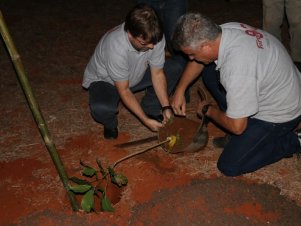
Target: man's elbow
pixel 239 128
pixel 238 131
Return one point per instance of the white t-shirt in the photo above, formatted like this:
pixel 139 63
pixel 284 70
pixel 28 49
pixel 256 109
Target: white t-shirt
pixel 115 59
pixel 258 74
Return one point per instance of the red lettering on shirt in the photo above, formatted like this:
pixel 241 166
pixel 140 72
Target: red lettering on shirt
pixel 253 32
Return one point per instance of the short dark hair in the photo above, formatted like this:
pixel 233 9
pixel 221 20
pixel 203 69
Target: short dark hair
pixel 142 21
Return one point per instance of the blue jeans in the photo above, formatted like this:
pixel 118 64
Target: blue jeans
pixel 104 97
pixel 261 144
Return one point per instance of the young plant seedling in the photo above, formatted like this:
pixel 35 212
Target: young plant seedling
pixel 91 187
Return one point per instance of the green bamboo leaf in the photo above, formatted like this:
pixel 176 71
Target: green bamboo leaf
pixel 89 171
pixel 79 181
pixel 80 188
pixel 106 204
pixel 87 203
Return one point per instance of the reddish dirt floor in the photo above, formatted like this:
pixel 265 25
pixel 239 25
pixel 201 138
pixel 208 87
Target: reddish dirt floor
pixel 55 40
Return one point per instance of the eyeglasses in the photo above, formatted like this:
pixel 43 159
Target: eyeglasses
pixel 142 42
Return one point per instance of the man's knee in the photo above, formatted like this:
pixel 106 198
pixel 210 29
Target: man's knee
pixel 100 111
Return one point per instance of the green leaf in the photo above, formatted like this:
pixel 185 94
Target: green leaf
pixel 101 169
pixel 119 179
pixel 89 171
pixel 79 181
pixel 87 203
pixel 80 188
pixel 84 164
pixel 106 204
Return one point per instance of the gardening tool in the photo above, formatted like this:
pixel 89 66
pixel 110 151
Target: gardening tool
pixel 170 140
pixel 136 142
pixel 191 135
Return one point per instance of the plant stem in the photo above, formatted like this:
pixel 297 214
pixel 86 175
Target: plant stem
pixel 140 152
pixel 34 107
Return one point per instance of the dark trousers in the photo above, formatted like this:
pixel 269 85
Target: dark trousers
pixel 211 79
pixel 104 97
pixel 261 144
pixel 169 12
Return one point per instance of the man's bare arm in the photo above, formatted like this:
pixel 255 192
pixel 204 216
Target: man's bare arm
pixel 129 99
pixel 191 72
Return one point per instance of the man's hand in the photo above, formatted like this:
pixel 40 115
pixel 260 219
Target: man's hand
pixel 131 102
pixel 234 125
pixel 167 115
pixel 178 104
pixel 191 72
pixel 152 124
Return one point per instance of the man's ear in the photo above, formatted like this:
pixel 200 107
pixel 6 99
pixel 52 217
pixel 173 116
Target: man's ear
pixel 205 46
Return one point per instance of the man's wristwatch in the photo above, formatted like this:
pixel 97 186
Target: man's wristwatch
pixel 205 108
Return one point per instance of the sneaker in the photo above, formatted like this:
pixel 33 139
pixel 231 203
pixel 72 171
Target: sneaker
pixel 158 118
pixel 110 134
pixel 221 142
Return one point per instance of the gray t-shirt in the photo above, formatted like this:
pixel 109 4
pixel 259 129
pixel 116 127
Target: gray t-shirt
pixel 115 59
pixel 258 75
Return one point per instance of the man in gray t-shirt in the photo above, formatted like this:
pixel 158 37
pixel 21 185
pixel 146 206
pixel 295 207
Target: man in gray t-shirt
pixel 131 58
pixel 255 83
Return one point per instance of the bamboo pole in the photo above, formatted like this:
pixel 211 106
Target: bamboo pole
pixel 34 107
